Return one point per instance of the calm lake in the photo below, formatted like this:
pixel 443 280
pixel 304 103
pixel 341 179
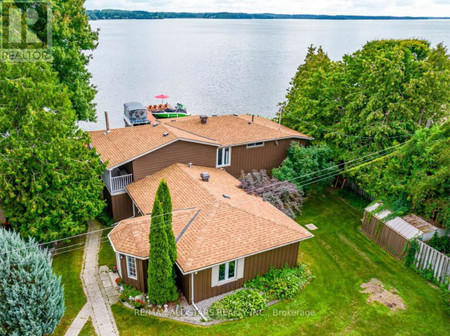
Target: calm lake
pixel 223 66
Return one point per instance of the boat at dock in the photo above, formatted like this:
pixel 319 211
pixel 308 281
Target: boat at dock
pixel 135 114
pixel 167 111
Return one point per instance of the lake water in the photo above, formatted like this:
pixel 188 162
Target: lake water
pixel 223 66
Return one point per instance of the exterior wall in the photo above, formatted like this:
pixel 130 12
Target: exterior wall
pixel 254 265
pixel 141 266
pixel 177 152
pixel 266 157
pixel 384 236
pixel 119 206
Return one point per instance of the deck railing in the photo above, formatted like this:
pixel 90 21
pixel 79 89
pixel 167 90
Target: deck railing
pixel 118 183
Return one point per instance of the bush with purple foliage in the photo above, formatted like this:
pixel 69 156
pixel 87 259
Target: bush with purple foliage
pixel 284 195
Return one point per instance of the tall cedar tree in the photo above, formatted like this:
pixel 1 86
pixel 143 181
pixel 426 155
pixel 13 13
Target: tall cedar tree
pixel 31 295
pixel 161 284
pixel 49 178
pixel 163 193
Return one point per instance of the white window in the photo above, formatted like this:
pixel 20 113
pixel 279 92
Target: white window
pixel 131 267
pixel 227 271
pixel 255 144
pixel 223 156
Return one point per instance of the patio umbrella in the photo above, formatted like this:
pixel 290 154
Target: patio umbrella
pixel 162 97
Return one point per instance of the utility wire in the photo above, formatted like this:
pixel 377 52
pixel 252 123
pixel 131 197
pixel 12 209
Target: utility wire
pixel 303 183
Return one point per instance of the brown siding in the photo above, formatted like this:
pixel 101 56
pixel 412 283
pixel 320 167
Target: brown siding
pixel 141 265
pixel 254 265
pixel 177 152
pixel 266 157
pixel 121 206
pixel 384 236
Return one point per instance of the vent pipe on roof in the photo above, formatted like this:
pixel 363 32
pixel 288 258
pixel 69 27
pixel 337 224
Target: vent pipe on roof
pixel 107 122
pixel 203 119
pixel 165 134
pixel 205 177
pixel 190 164
pixel 253 117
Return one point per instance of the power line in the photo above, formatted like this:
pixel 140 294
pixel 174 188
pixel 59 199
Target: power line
pixel 305 183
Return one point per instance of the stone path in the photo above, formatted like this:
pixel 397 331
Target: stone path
pixel 98 298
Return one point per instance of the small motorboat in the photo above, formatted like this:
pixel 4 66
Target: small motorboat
pixel 134 114
pixel 167 111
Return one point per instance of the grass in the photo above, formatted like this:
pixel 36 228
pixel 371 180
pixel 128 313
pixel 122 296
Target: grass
pixel 106 254
pixel 68 265
pixel 353 199
pixel 341 258
pixel 88 329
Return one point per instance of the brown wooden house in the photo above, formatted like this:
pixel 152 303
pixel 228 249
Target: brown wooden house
pixel 224 235
pixel 233 142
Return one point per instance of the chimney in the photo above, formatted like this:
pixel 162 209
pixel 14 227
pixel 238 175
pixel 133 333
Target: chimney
pixel 205 177
pixel 203 119
pixel 107 122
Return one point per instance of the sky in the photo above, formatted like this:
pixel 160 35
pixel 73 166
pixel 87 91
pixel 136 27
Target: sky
pixel 331 7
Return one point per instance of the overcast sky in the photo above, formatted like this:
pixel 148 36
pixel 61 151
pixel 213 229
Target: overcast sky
pixel 333 7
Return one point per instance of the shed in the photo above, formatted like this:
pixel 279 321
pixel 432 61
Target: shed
pixel 393 234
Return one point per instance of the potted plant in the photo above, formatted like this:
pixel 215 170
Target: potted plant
pixel 114 269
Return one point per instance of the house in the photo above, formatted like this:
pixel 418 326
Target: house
pixel 233 142
pixel 224 235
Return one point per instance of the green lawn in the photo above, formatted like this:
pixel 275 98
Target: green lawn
pixel 88 329
pixel 341 258
pixel 68 265
pixel 106 254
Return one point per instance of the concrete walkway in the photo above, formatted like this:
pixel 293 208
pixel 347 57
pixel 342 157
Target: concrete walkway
pixel 98 301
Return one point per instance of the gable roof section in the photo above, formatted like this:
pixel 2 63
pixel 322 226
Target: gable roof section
pixel 215 229
pixel 122 145
pixel 232 130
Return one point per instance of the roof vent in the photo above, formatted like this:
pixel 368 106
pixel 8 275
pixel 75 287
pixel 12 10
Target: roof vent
pixel 155 124
pixel 253 117
pixel 235 114
pixel 190 164
pixel 226 196
pixel 205 177
pixel 203 119
pixel 165 134
pixel 249 122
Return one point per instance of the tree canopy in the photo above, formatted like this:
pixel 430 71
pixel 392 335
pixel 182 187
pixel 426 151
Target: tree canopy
pixel 414 178
pixel 382 95
pixel 307 165
pixel 371 99
pixel 31 295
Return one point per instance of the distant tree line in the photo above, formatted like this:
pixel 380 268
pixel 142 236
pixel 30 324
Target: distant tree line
pixel 117 14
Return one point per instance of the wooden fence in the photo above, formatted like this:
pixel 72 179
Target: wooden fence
pixel 391 241
pixel 430 258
